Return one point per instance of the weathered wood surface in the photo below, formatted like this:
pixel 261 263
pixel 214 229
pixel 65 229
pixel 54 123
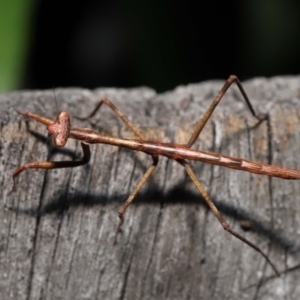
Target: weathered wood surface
pixel 58 227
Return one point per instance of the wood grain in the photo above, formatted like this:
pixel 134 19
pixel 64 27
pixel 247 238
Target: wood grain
pixel 58 227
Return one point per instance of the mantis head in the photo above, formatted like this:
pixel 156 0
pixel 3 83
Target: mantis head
pixel 60 129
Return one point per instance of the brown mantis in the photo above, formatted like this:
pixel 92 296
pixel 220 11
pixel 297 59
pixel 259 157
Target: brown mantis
pixel 61 130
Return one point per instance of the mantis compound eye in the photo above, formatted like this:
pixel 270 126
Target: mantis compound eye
pixel 60 129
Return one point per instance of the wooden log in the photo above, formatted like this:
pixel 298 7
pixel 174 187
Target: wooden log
pixel 58 227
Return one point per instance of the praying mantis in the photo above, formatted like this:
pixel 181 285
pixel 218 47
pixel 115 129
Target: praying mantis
pixel 61 130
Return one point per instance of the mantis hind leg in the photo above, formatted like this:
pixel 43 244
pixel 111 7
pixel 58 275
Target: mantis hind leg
pixel 217 213
pixel 231 79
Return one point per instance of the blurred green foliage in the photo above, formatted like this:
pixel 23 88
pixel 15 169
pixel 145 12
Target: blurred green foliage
pixel 15 17
pixel 156 43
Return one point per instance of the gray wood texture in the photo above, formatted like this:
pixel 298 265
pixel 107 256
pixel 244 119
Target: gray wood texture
pixel 57 230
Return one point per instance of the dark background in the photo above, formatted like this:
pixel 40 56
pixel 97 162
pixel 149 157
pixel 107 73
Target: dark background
pixel 160 44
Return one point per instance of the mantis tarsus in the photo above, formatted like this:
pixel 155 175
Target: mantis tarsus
pixel 61 130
